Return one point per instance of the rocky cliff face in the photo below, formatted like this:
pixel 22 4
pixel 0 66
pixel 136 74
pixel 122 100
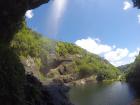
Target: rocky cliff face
pixel 38 94
pixel 12 78
pixel 16 88
pixel 12 15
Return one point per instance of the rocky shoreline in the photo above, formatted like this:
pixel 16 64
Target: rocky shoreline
pixel 39 94
pixel 58 94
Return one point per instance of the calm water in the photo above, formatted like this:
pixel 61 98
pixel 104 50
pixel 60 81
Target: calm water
pixel 118 93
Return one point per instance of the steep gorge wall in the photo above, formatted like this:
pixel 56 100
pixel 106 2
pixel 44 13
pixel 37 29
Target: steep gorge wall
pixel 12 73
pixel 12 15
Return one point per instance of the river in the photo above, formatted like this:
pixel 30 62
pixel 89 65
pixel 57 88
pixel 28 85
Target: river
pixel 117 93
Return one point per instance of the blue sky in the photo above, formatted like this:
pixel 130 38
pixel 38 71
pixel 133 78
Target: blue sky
pixel 109 28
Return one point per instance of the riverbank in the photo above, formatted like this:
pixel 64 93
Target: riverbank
pixel 89 80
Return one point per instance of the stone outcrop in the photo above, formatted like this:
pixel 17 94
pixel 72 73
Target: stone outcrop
pixel 38 94
pixel 12 78
pixel 12 15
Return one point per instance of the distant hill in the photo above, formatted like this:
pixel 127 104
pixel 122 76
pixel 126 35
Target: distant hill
pixel 51 59
pixel 133 75
pixel 125 68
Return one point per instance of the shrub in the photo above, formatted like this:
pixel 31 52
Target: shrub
pixel 85 71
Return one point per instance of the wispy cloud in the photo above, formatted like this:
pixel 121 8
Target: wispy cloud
pixel 127 5
pixel 116 56
pixel 29 14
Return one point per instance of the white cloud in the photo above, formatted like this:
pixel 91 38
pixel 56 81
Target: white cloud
pixel 93 45
pixel 127 5
pixel 121 56
pixel 116 55
pixel 118 63
pixel 29 14
pixel 138 16
pixel 122 62
pixel 114 46
pixel 134 54
pixel 97 39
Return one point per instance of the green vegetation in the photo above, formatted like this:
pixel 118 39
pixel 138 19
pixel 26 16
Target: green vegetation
pixel 64 49
pixel 85 70
pixel 28 43
pixel 125 68
pixel 133 74
pixel 97 65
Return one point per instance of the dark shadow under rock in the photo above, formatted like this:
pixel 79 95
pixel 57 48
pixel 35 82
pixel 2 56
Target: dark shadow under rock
pixel 12 77
pixel 38 94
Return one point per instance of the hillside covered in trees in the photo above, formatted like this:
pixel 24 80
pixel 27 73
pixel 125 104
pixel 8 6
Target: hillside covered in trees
pixel 50 59
pixel 133 74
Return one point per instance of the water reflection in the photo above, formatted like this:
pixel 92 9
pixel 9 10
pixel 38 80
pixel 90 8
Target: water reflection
pixel 118 93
